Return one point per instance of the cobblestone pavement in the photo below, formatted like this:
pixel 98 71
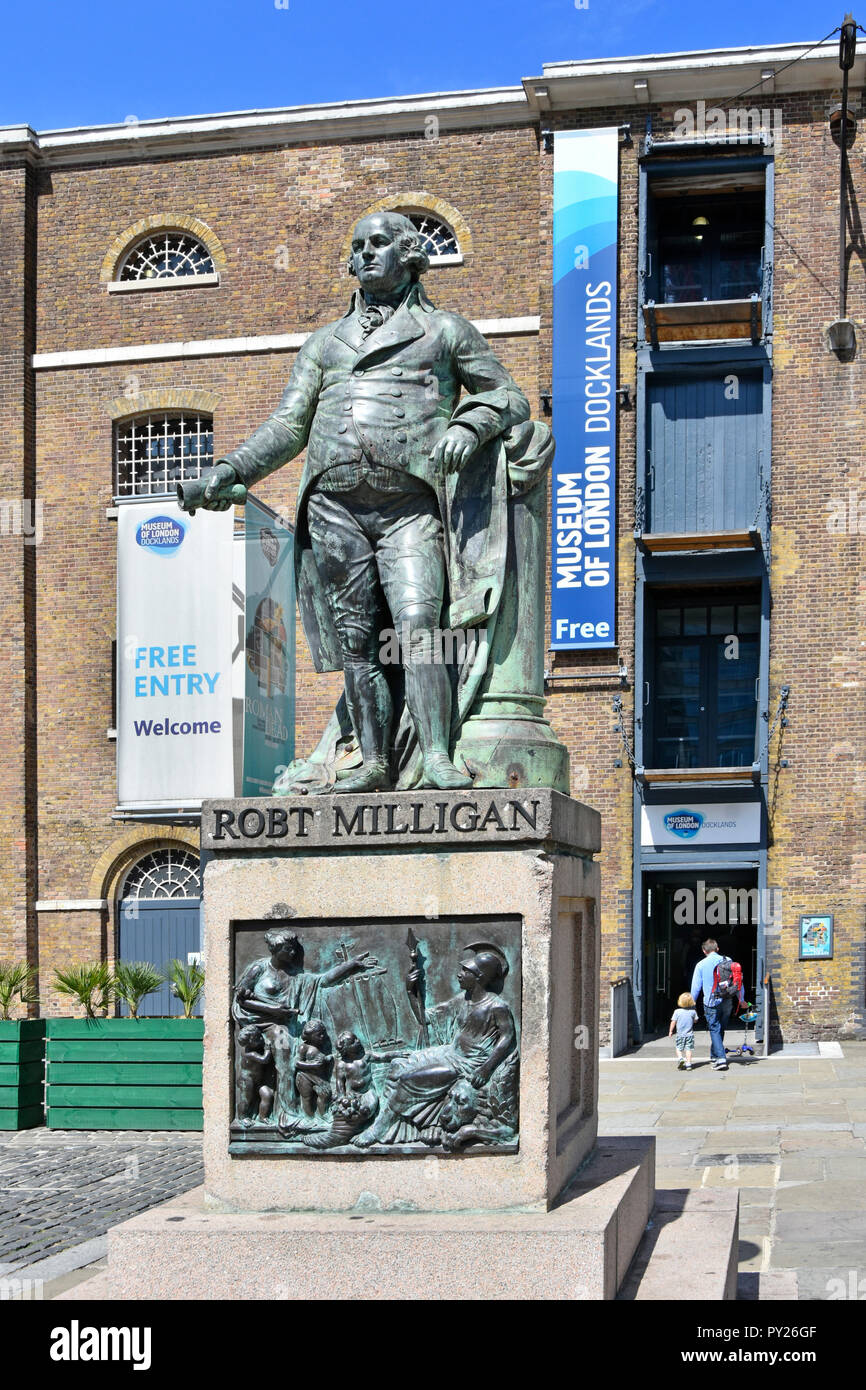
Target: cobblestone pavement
pixel 60 1188
pixel 788 1130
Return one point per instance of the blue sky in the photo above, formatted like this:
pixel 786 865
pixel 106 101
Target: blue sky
pixel 91 62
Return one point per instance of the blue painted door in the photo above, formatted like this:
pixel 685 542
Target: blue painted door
pixel 159 930
pixel 703 453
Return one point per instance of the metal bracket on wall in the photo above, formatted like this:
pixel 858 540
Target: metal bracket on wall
pixel 620 674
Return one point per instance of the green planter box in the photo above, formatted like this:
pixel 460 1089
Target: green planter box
pixel 22 1067
pixel 124 1073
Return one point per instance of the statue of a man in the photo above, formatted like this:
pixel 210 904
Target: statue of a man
pixel 383 540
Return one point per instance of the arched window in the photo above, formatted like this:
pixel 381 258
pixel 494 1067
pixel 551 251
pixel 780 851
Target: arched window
pixel 154 452
pixel 164 873
pixel 440 240
pixel 166 255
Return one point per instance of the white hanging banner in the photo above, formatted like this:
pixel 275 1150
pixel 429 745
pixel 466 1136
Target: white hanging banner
pixel 174 644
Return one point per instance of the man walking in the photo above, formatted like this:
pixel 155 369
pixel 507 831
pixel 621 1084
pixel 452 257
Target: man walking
pixel 717 1011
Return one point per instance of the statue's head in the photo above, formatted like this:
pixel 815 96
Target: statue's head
pixel 284 946
pixel 250 1036
pixel 315 1033
pixel 387 253
pixel 483 963
pixel 350 1047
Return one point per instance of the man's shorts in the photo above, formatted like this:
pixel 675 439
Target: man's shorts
pixel 685 1042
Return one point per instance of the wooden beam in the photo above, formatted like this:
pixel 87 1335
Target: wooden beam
pixel 658 543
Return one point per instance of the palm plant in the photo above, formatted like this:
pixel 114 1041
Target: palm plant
pixel 133 980
pixel 91 984
pixel 17 983
pixel 187 983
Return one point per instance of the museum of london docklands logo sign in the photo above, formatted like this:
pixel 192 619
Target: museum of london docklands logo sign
pixel 585 211
pixel 162 535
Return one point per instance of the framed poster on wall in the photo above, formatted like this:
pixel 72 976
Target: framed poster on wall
pixel 816 936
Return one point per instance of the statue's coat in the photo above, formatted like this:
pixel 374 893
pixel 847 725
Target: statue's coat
pixel 391 396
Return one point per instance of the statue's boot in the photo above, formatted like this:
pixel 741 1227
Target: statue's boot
pixel 428 697
pixel 368 697
pixel 440 772
pixel 369 777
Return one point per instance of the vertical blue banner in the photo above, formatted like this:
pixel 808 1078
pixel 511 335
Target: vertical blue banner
pixel 583 548
pixel 269 656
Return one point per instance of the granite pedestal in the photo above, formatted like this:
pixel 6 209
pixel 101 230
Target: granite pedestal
pixel 548 1218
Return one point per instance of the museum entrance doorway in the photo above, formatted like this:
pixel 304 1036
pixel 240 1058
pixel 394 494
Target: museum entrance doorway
pixel 681 909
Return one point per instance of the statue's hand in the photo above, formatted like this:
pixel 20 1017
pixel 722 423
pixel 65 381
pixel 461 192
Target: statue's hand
pixel 363 962
pixel 222 490
pixel 457 444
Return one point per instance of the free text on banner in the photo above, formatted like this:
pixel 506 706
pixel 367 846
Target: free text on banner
pixel 269 648
pixel 583 551
pixel 174 697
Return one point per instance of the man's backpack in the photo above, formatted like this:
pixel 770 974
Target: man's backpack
pixel 727 979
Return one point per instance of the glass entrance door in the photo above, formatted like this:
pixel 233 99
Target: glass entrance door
pixel 682 910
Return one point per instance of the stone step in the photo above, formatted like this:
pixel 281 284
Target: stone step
pixel 190 1248
pixel 689 1248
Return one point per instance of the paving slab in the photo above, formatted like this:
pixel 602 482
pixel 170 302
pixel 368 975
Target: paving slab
pixel 820 1225
pixel 797 1168
pixel 760 1175
pixel 827 1142
pixel 824 1196
pixel 833 1283
pixel 843 1169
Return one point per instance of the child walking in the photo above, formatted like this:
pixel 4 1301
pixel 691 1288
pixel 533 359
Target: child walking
pixel 684 1019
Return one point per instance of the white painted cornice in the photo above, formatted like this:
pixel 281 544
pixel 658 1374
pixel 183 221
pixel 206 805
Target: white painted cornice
pixel 234 347
pixel 710 75
pixel 375 118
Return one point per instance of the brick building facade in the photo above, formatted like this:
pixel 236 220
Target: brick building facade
pixel 272 197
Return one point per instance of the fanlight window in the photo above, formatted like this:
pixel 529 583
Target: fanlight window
pixel 166 873
pixel 154 452
pixel 439 240
pixel 166 256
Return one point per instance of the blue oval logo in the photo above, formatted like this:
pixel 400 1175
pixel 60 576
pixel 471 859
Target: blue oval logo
pixel 685 824
pixel 161 534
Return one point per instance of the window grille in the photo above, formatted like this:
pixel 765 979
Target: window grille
pixel 166 256
pixel 165 873
pixel 154 452
pixel 438 238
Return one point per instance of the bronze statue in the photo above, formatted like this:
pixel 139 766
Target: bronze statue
pixel 420 537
